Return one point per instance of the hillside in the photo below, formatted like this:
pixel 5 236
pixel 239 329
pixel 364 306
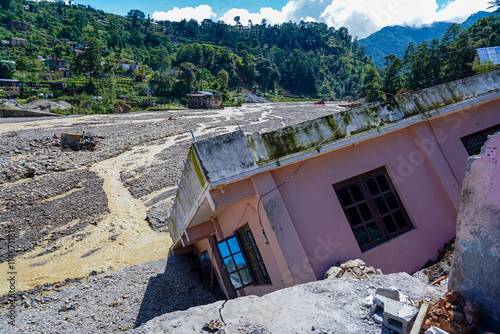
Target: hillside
pixel 395 39
pixel 175 58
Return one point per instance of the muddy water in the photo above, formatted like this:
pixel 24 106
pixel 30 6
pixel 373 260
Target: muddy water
pixel 134 242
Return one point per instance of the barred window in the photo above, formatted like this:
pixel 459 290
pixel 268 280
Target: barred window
pixel 373 208
pixel 475 141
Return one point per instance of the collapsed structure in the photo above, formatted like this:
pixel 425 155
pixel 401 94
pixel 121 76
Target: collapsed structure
pixel 204 100
pixel 379 182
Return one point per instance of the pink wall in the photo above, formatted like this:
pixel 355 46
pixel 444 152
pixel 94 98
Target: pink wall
pixel 463 124
pixel 235 217
pixel 426 186
pixel 429 190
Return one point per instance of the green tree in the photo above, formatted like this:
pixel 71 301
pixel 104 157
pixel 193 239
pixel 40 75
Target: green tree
pixel 268 74
pixel 135 15
pixel 393 80
pixel 223 79
pixel 90 61
pixel 7 69
pixel 162 84
pixel 373 83
pixel 5 4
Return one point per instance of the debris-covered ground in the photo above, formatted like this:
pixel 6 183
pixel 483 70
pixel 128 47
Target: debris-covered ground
pixel 82 212
pixel 333 305
pixel 114 302
pixel 437 271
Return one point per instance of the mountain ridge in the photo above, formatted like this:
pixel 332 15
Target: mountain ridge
pixel 395 39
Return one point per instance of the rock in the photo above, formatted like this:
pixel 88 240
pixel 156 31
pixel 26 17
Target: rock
pixel 368 301
pixel 334 272
pixel 349 274
pixel 391 293
pixel 214 325
pixel 352 263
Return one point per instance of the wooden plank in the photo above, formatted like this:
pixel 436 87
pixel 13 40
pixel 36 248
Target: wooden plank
pixel 420 318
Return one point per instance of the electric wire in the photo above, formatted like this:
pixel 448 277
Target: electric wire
pixel 436 140
pixel 300 166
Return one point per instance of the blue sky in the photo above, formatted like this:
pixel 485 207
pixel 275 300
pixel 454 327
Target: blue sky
pixel 361 17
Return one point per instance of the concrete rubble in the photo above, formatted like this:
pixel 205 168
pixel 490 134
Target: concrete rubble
pixel 395 310
pixel 327 306
pixel 453 314
pixel 11 108
pixel 352 269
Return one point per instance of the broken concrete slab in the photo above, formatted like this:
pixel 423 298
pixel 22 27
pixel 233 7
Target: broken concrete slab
pixel 330 306
pixel 12 112
pixel 394 308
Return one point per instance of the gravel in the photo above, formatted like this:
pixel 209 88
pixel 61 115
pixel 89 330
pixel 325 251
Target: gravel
pixel 116 302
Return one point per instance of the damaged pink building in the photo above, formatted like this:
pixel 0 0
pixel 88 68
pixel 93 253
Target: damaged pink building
pixel 380 182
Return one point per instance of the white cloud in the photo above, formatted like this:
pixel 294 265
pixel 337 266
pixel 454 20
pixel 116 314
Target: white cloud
pixel 457 10
pixel 177 14
pixel 361 17
pixel 364 17
pixel 272 16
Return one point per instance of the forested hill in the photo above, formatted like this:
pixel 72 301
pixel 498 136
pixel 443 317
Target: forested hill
pixel 305 59
pixel 395 39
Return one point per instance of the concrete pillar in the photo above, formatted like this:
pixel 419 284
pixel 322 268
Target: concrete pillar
pixel 274 209
pixel 476 262
pixel 437 164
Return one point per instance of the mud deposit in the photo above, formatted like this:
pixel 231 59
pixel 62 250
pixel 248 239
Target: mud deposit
pixel 76 213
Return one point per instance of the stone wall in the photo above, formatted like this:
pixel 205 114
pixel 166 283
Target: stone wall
pixel 476 261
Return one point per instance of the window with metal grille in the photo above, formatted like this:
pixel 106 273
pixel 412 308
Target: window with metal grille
pixel 373 208
pixel 235 262
pixel 252 252
pixel 475 141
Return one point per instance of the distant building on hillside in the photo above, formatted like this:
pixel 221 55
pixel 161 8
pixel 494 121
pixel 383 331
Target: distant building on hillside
pixel 130 66
pixel 491 54
pixel 18 25
pixel 10 85
pixel 56 64
pixel 204 100
pixel 58 85
pixel 16 41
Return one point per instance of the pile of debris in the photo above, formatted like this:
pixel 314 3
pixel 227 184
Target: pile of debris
pixel 352 269
pixel 255 98
pixel 453 314
pixel 46 105
pixel 10 104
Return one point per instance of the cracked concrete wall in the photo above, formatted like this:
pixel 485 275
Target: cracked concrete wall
pixel 476 261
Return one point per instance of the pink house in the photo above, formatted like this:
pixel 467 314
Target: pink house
pixel 380 182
